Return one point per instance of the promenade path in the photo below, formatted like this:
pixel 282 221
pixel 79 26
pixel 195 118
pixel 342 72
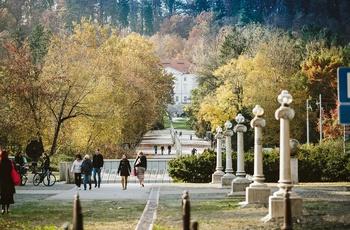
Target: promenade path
pixel 164 138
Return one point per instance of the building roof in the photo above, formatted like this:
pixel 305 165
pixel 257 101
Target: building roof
pixel 183 66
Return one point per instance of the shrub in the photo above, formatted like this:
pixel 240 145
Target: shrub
pixel 194 169
pixel 326 162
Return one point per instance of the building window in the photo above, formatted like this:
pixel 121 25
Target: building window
pixel 177 98
pixel 185 78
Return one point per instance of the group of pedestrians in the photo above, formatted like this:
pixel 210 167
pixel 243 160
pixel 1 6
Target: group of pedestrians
pixel 84 168
pixel 162 149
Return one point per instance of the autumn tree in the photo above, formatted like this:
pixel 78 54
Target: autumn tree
pixel 22 96
pixel 104 89
pixel 321 71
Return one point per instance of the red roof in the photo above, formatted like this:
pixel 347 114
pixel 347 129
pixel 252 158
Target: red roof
pixel 180 65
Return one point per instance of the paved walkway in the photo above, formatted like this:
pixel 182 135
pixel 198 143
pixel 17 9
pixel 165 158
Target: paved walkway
pixel 163 138
pixel 151 192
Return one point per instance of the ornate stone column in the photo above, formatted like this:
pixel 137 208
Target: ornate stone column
pixel 276 205
pixel 226 180
pixel 240 183
pixel 257 192
pixel 218 174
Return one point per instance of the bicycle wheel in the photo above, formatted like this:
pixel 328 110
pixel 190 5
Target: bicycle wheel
pixel 49 180
pixel 36 179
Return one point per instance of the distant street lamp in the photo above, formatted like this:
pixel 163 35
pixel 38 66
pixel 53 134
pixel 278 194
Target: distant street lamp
pixel 307 123
pixel 319 104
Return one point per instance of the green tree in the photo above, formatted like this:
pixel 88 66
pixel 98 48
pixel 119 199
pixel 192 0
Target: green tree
pixel 39 40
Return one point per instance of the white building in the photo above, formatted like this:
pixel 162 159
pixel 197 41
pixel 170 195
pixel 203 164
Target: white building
pixel 183 84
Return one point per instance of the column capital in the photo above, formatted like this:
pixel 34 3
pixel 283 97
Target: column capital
pixel 228 132
pixel 240 128
pixel 284 112
pixel 219 136
pixel 257 122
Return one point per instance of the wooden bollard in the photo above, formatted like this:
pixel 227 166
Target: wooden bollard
pixel 186 215
pixel 77 215
pixel 287 225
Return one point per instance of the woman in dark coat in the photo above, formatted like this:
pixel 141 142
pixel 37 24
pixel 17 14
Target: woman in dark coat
pixel 6 183
pixel 124 169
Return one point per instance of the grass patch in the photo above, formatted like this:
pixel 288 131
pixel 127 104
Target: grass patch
pixel 209 213
pixel 180 123
pixel 54 214
pixel 166 122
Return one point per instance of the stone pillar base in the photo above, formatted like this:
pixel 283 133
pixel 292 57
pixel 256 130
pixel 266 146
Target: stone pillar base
pixel 216 177
pixel 276 207
pixel 227 179
pixel 239 185
pixel 257 195
pixel 294 170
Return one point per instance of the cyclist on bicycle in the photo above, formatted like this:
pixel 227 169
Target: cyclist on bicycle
pixel 19 162
pixel 45 166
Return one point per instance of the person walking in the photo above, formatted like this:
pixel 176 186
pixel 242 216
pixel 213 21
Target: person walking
pixel 141 165
pixel 6 183
pixel 97 162
pixel 194 151
pixel 169 149
pixel 86 170
pixel 124 169
pixel 76 169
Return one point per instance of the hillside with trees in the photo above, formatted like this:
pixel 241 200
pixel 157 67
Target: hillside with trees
pixel 78 74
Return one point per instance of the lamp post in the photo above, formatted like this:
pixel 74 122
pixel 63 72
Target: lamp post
pixel 319 103
pixel 216 177
pixel 229 176
pixel 307 124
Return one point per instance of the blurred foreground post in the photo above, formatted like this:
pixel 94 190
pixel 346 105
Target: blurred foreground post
pixel 287 225
pixel 77 215
pixel 186 213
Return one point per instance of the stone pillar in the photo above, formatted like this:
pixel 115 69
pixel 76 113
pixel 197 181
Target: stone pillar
pixel 226 180
pixel 257 192
pixel 218 174
pixel 240 183
pixel 276 204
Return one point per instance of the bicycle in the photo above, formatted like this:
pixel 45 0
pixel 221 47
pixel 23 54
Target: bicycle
pixel 23 171
pixel 48 179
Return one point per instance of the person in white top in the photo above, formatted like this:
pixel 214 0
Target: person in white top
pixel 76 168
